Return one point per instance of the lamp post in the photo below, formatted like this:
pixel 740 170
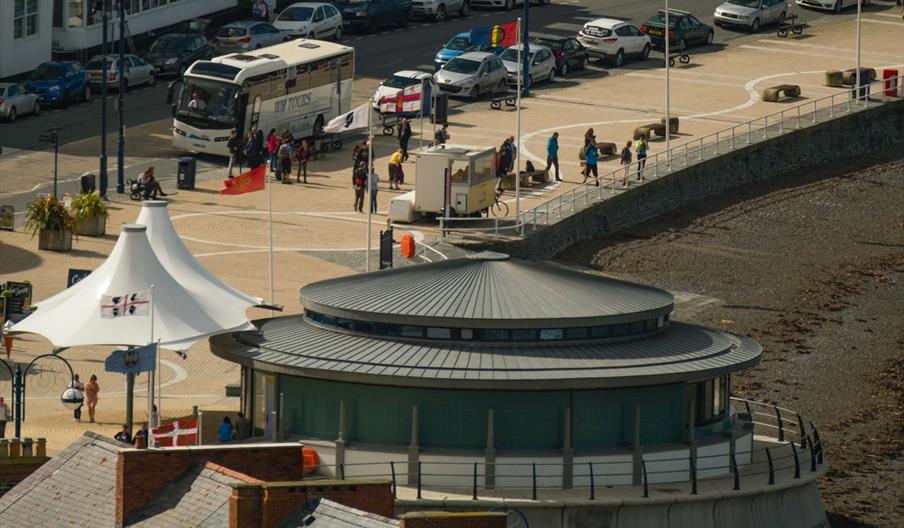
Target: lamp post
pixel 103 103
pixel 53 138
pixel 858 89
pixel 525 60
pixel 121 146
pixel 71 398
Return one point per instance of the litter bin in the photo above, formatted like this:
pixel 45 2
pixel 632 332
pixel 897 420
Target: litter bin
pixel 185 177
pixel 88 183
pixel 441 111
pixel 867 76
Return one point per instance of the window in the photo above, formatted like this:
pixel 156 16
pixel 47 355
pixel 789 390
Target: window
pixel 550 334
pixel 25 18
pixel 576 333
pixel 623 31
pixel 439 333
pixel 318 15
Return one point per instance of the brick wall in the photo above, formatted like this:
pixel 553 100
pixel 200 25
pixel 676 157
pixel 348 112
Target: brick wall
pixel 275 501
pixel 141 474
pixel 453 520
pixel 14 470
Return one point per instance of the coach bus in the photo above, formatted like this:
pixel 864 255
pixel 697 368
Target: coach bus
pixel 297 85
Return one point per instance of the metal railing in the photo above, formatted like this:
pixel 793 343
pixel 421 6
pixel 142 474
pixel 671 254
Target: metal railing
pixel 796 449
pixel 659 164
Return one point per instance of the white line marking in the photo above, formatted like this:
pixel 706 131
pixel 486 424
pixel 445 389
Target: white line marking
pixel 883 22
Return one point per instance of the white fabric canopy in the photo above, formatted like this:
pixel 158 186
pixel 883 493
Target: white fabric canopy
pixel 182 265
pixel 182 315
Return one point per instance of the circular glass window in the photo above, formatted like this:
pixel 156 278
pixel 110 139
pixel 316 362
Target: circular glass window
pixel 467 333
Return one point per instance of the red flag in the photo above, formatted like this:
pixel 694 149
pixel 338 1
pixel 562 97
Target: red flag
pixel 250 181
pixel 504 35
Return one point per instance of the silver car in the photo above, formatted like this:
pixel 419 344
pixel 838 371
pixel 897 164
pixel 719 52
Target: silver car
pixel 541 66
pixel 135 71
pixel 246 35
pixel 472 74
pixel 749 14
pixel 15 101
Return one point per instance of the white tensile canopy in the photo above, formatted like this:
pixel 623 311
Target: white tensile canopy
pixel 182 265
pixel 182 313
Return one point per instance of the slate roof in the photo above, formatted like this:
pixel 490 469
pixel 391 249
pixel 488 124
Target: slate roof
pixel 77 487
pixel 197 498
pixel 329 514
pixel 681 352
pixel 485 286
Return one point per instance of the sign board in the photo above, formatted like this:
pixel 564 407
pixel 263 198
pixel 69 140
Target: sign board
pixel 141 359
pixel 76 275
pixel 386 249
pixel 19 297
pixel 7 218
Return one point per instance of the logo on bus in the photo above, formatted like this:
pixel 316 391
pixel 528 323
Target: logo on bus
pixel 292 103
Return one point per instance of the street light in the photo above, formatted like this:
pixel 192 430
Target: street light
pixel 103 103
pixel 120 153
pixel 71 398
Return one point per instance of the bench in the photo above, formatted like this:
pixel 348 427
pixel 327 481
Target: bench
pixel 646 131
pixel 607 149
pixel 834 78
pixel 508 181
pixel 673 124
pixel 772 95
pixel 849 77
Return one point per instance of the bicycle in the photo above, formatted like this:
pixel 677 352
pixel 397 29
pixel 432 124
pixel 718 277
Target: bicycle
pixel 499 208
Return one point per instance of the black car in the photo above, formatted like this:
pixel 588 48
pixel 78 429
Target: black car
pixel 684 30
pixel 370 15
pixel 174 53
pixel 570 54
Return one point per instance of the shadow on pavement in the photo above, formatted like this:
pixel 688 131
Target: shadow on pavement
pixel 16 259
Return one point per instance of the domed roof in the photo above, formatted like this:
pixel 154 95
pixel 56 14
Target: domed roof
pixel 486 289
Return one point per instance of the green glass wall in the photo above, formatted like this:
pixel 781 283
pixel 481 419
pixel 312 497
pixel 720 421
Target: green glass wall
pixel 458 419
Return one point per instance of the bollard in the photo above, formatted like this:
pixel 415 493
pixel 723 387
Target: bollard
pixel 27 451
pixel 15 448
pixel 4 448
pixel 41 448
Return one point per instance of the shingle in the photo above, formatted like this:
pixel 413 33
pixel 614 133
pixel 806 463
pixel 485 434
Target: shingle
pixel 329 514
pixel 198 497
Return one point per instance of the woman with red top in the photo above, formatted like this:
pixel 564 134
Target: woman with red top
pixel 272 147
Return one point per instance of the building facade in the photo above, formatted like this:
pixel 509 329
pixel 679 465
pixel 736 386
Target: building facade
pixel 26 35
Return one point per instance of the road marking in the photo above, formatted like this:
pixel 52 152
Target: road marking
pixel 826 48
pixel 807 53
pixel 884 22
pixel 889 15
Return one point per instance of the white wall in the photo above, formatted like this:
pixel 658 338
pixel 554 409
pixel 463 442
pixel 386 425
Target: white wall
pixel 612 470
pixel 520 473
pixel 24 54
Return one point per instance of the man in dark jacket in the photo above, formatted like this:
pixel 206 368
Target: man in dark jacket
pixel 254 148
pixel 235 151
pixel 404 137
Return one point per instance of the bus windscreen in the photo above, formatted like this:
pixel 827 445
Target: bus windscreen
pixel 208 101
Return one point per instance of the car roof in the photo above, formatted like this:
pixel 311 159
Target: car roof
pixel 413 74
pixel 535 47
pixel 307 4
pixel 475 55
pixel 548 36
pixel 244 23
pixel 607 23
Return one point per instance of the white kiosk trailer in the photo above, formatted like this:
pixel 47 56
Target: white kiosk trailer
pixel 463 175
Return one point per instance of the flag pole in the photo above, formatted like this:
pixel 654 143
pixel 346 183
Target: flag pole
pixel 668 118
pixel 153 374
pixel 423 87
pixel 370 190
pixel 518 127
pixel 858 91
pixel 269 185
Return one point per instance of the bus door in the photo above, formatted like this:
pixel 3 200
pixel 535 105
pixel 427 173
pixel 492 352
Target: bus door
pixel 256 110
pixel 241 109
pixel 338 69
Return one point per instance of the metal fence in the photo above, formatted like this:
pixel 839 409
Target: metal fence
pixel 662 163
pixel 796 449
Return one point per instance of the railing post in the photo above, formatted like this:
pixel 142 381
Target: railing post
pixel 747 405
pixel 818 445
pixel 749 132
pixel 716 146
pixel 534 480
pixel 646 485
pixel 812 456
pixel 798 116
pixel 392 471
pixel 803 433
pixel 418 479
pixel 771 467
pixel 693 463
pixel 796 460
pixel 342 471
pixel 737 475
pixel 592 483
pixel 732 138
pixel 474 483
pixel 781 427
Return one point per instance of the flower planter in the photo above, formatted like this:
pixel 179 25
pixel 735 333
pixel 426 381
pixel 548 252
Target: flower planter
pixel 91 226
pixel 54 240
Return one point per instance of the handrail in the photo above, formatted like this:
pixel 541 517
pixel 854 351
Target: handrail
pixel 758 127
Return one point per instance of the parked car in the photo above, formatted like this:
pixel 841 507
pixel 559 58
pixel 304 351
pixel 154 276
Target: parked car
pixel 472 74
pixel 541 64
pixel 310 20
pixel 829 5
pixel 457 45
pixel 684 30
pixel 370 15
pixel 15 101
pixel 613 39
pixel 749 14
pixel 246 35
pixel 508 5
pixel 172 54
pixel 439 10
pixel 399 81
pixel 570 54
pixel 59 82
pixel 136 71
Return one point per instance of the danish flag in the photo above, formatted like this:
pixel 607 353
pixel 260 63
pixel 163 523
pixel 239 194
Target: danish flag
pixel 184 432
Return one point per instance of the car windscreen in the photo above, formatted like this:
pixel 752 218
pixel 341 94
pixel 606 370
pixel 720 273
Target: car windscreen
pixel 511 55
pixel 659 18
pixel 400 82
pixel 97 64
pixel 458 44
pixel 169 45
pixel 46 72
pixel 746 3
pixel 459 65
pixel 207 100
pixel 296 14
pixel 231 32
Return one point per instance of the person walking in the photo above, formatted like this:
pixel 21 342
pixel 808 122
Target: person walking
pixel 641 148
pixel 395 168
pixel 91 390
pixel 358 182
pixel 284 159
pixel 552 154
pixel 242 428
pixel 513 150
pixel 504 160
pixel 5 416
pixel 78 385
pixel 441 136
pixel 373 184
pixel 234 145
pixel 302 155
pixel 272 146
pixel 591 156
pixel 224 431
pixel 404 137
pixel 625 160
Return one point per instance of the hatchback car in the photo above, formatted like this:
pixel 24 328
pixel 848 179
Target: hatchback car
pixel 246 35
pixel 370 15
pixel 749 14
pixel 613 39
pixel 684 30
pixel 173 53
pixel 472 74
pixel 59 82
pixel 15 101
pixel 457 45
pixel 310 20
pixel 135 70
pixel 399 81
pixel 828 5
pixel 541 64
pixel 570 54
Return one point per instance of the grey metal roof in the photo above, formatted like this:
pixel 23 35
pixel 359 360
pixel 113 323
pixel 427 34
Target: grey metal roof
pixel 681 352
pixel 197 498
pixel 77 487
pixel 484 287
pixel 329 514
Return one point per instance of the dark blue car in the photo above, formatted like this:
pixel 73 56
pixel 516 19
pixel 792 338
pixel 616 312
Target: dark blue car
pixel 59 83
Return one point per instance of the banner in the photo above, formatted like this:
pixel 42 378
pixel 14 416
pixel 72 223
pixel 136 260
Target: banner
pixel 246 182
pixel 7 217
pixel 498 36
pixel 184 432
pixel 353 120
pixel 137 303
pixel 141 359
pixel 407 101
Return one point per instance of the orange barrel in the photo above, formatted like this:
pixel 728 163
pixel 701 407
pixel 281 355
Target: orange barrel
pixel 310 460
pixel 408 246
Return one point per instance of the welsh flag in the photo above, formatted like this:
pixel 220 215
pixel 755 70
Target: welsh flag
pixel 250 181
